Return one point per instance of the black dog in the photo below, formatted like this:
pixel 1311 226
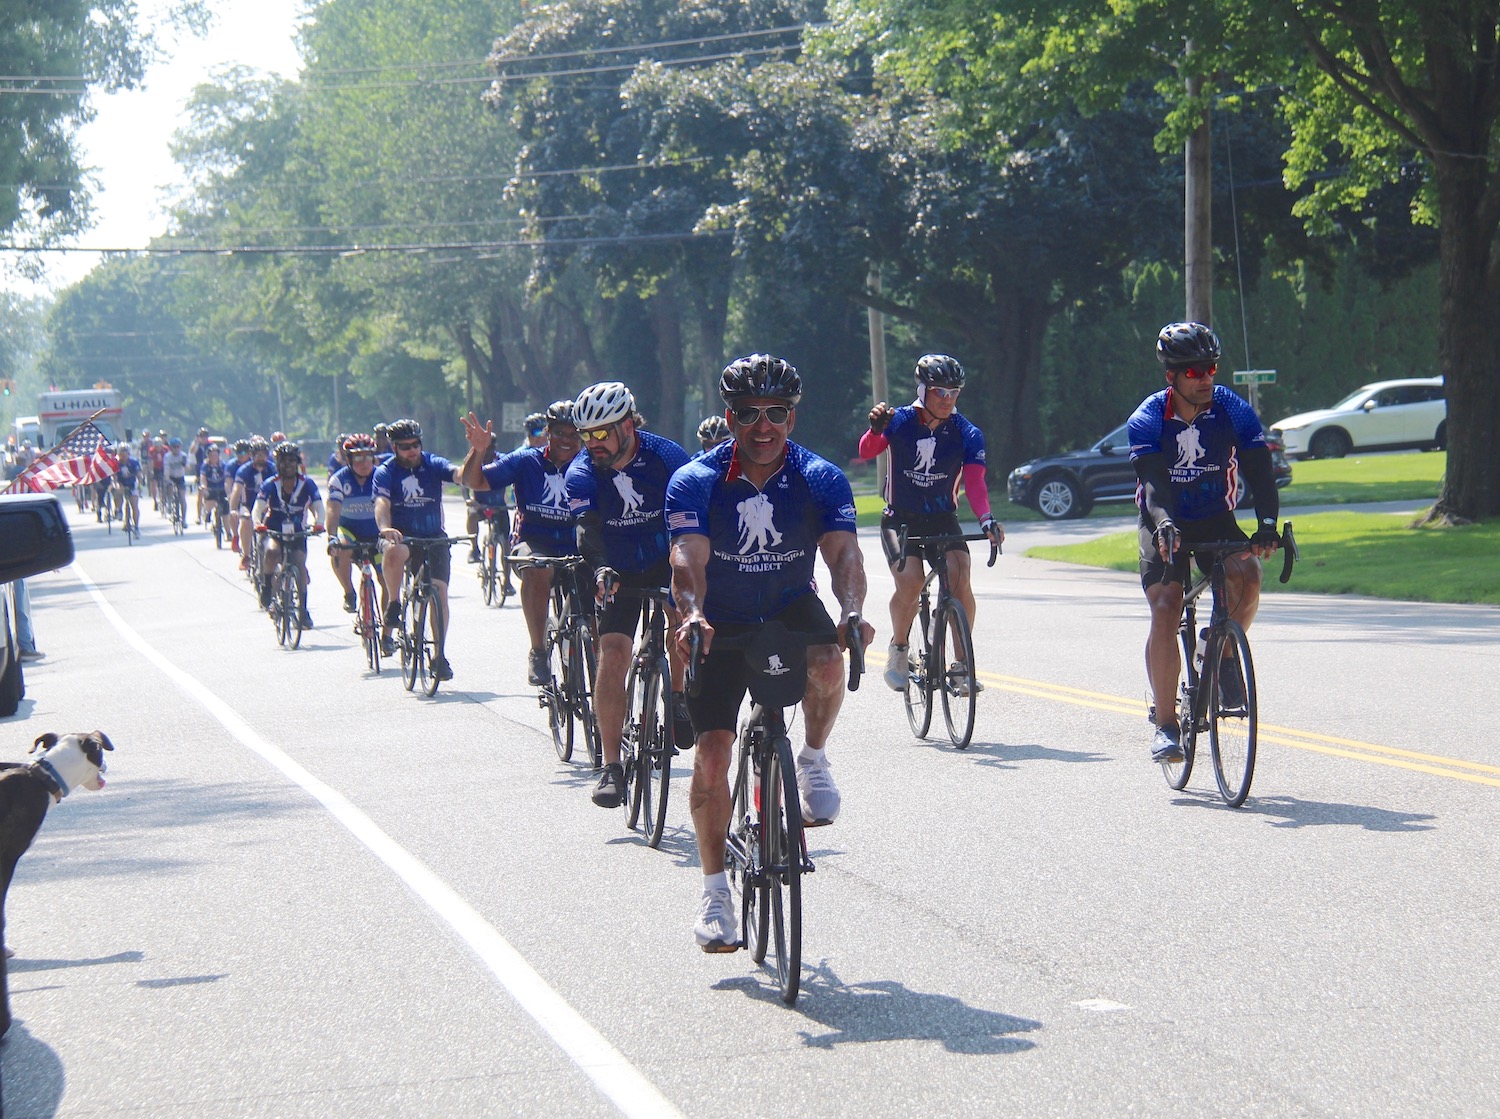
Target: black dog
pixel 72 761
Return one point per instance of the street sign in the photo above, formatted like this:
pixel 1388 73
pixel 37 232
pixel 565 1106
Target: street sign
pixel 1255 376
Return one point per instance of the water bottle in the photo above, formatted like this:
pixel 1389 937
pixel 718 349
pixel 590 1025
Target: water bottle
pixel 1201 650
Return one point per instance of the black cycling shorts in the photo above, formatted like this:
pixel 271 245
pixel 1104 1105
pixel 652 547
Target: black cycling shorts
pixel 917 524
pixel 623 613
pixel 726 676
pixel 1220 527
pixel 439 559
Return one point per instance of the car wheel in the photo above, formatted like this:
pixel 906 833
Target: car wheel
pixel 1331 442
pixel 1241 491
pixel 1440 440
pixel 1058 498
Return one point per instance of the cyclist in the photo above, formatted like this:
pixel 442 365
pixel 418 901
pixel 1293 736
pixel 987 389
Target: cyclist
pixel 247 483
pixel 618 492
pixel 283 504
pixel 409 502
pixel 544 522
pixel 155 455
pixel 125 484
pixel 199 451
pixel 535 427
pixel 174 469
pixel 712 432
pixel 382 443
pixel 336 459
pixel 486 499
pixel 933 448
pixel 747 519
pixel 211 482
pixel 351 512
pixel 241 455
pixel 1189 443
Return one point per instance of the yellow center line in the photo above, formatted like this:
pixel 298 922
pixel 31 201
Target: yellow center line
pixel 1433 764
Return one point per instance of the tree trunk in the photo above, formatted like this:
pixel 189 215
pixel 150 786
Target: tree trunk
pixel 1007 357
pixel 666 324
pixel 1468 347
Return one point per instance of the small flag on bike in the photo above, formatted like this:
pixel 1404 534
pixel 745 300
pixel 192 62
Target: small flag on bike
pixel 83 457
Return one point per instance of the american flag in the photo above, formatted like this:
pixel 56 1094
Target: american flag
pixel 84 456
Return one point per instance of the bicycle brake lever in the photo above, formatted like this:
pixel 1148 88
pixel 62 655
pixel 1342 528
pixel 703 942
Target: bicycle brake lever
pixel 856 651
pixel 1291 554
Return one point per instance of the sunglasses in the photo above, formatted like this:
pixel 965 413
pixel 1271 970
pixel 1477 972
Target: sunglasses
pixel 944 394
pixel 749 416
pixel 597 435
pixel 362 456
pixel 1197 372
pixel 407 444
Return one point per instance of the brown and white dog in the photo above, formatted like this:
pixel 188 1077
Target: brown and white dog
pixel 67 762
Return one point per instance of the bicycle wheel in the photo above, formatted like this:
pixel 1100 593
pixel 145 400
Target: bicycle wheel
pixel 781 847
pixel 218 527
pixel 431 642
pixel 410 640
pixel 369 623
pixel 283 606
pixel 1177 773
pixel 955 657
pixel 1232 725
pixel 506 588
pixel 742 849
pixel 656 756
pixel 555 697
pixel 487 566
pixel 919 685
pixel 633 737
pixel 584 668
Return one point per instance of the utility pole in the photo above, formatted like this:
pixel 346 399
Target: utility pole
pixel 1198 214
pixel 877 363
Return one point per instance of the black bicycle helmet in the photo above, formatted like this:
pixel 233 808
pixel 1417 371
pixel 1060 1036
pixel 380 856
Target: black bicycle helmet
pixel 1187 343
pixel 940 370
pixel 399 430
pixel 258 444
pixel 287 451
pixel 713 431
pixel 760 375
pixel 560 412
pixel 242 446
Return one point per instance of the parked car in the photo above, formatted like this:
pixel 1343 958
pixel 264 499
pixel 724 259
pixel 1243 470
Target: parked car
pixel 1385 416
pixel 34 537
pixel 1068 485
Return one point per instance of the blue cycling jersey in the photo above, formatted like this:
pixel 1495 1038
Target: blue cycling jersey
pixel 128 474
pixel 763 542
pixel 252 477
pixel 288 510
pixel 544 519
pixel 927 465
pixel 1202 457
pixel 416 496
pixel 630 502
pixel 356 502
pixel 212 476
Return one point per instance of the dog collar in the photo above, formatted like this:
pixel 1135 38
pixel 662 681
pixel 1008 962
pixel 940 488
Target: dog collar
pixel 52 777
pixel 67 765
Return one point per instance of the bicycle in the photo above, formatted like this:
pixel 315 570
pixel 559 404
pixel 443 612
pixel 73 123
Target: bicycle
pixel 288 598
pixel 220 507
pixel 648 744
pixel 422 625
pixel 175 510
pixel 128 520
pixel 568 694
pixel 1206 657
pixel 367 609
pixel 766 846
pixel 494 558
pixel 930 669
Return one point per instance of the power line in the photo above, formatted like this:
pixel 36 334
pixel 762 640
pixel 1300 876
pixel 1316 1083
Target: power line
pixel 361 250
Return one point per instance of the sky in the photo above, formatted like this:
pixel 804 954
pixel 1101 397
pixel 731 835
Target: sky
pixel 128 141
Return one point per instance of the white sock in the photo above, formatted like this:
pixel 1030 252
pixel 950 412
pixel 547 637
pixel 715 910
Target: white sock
pixel 808 754
pixel 712 882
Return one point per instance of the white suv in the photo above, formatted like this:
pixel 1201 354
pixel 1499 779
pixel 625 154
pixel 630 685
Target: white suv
pixel 1385 416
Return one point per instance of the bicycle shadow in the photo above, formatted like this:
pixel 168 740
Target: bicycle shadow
pixel 32 1074
pixel 1293 812
pixel 886 1010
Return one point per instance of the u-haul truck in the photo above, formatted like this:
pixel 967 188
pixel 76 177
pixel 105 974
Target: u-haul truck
pixel 60 411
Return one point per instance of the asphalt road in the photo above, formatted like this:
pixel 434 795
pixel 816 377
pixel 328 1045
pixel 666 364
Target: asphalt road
pixel 306 892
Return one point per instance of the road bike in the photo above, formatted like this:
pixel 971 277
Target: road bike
pixel 942 664
pixel 175 510
pixel 288 606
pixel 128 520
pixel 219 507
pixel 1210 657
pixel 568 693
pixel 766 846
pixel 648 744
pixel 494 556
pixel 420 637
pixel 367 598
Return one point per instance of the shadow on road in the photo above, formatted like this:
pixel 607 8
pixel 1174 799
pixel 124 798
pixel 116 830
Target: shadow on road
pixel 1292 812
pixel 33 1079
pixel 890 1011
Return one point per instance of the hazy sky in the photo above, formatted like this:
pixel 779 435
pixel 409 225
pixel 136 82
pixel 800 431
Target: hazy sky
pixel 127 143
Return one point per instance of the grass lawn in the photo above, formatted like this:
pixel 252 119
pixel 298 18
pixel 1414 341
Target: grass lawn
pixel 1373 554
pixel 1344 481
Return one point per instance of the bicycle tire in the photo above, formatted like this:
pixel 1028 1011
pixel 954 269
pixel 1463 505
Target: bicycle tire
pixel 755 900
pixel 781 842
pixel 656 762
pixel 958 688
pixel 369 622
pixel 506 588
pixel 554 696
pixel 919 683
pixel 1176 774
pixel 409 648
pixel 487 570
pixel 218 527
pixel 742 847
pixel 1232 731
pixel 299 596
pixel 281 612
pixel 633 737
pixel 586 666
pixel 431 640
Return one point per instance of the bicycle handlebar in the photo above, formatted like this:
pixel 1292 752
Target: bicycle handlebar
pixel 290 533
pixel 556 563
pixel 1170 535
pixel 693 685
pixel 935 541
pixel 855 641
pixel 694 682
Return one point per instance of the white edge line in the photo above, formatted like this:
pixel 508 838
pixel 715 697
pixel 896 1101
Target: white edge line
pixel 613 1075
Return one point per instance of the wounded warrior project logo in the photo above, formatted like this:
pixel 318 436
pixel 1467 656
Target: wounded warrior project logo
pixel 921 474
pixel 1190 453
pixel 757 536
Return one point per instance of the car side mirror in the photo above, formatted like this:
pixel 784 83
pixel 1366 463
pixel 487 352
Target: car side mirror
pixel 1371 405
pixel 34 536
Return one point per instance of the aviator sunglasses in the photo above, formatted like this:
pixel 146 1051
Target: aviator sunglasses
pixel 748 416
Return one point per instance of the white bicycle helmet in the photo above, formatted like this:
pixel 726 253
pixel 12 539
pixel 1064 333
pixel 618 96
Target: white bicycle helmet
pixel 603 404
